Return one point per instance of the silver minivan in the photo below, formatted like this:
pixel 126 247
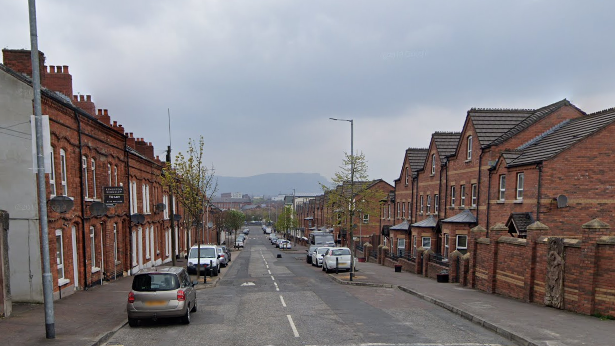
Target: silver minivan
pixel 160 293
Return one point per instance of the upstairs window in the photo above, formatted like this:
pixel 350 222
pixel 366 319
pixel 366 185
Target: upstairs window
pixel 63 172
pixel 469 153
pixel 433 164
pixel 474 194
pixel 403 210
pixel 365 218
pixel 428 204
pixel 109 173
pixel 462 195
pixel 520 177
pixel 115 175
pixel 422 205
pixel 93 178
pixel 52 176
pixel 398 210
pixel 436 203
pixel 502 187
pixel 452 196
pixel 84 172
pixel 407 175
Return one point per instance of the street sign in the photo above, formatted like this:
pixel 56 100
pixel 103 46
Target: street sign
pixel 113 194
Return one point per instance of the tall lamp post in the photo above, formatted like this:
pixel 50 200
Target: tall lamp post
pixel 351 121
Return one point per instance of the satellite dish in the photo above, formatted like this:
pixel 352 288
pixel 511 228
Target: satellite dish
pixel 137 219
pixel 177 217
pixel 562 201
pixel 98 209
pixel 61 204
pixel 160 207
pixel 210 224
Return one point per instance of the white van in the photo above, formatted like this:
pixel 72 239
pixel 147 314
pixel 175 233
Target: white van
pixel 268 230
pixel 209 259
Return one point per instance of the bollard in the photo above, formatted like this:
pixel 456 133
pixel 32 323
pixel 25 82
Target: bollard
pixel 204 278
pixel 337 265
pixel 279 255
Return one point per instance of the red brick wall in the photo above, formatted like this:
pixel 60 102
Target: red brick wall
pixel 510 270
pixel 605 280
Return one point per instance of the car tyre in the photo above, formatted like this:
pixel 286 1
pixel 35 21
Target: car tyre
pixel 216 271
pixel 323 267
pixel 133 322
pixel 194 308
pixel 186 317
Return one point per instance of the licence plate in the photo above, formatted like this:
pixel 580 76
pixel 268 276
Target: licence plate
pixel 343 263
pixel 156 303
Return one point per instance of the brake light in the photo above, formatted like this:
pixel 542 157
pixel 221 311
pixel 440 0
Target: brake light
pixel 181 296
pixel 131 297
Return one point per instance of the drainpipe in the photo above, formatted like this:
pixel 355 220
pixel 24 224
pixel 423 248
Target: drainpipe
pixel 82 198
pixel 129 206
pixel 539 166
pixel 480 162
pixel 488 199
pixel 440 188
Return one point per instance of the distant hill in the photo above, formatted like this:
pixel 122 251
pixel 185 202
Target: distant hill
pixel 272 184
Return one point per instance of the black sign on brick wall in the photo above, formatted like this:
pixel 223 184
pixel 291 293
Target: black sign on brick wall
pixel 113 194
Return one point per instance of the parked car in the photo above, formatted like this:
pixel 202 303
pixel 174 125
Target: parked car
pixel 277 242
pixel 209 259
pixel 318 255
pixel 161 292
pixel 239 242
pixel 222 256
pixel 273 239
pixel 227 252
pixel 285 244
pixel 342 254
pixel 246 231
pixel 310 251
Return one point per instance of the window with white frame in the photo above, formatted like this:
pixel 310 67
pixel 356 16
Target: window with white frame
pixel 147 243
pixel 93 247
pixel 462 243
pixel 398 210
pixel 115 175
pixel 60 257
pixel 165 200
pixel 452 196
pixel 446 246
pixel 428 204
pixel 462 195
pixel 84 172
pixel 403 210
pixel 502 187
pixel 436 203
pixel 401 246
pixel 413 246
pixel 109 173
pixel 469 153
pixel 115 243
pixel 93 179
pixel 407 175
pixel 426 242
pixel 389 212
pixel 433 164
pixel 52 176
pixel 365 218
pixel 133 197
pixel 382 213
pixel 409 211
pixel 421 203
pixel 63 172
pixel 474 195
pixel 520 177
pixel 134 248
pixel 144 196
pixel 168 242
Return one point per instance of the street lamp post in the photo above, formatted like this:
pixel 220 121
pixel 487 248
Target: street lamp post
pixel 351 121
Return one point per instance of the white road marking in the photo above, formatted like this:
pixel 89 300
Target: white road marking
pixel 267 266
pixel 276 286
pixel 272 278
pixel 292 325
pixel 382 344
pixel 282 299
pixel 269 272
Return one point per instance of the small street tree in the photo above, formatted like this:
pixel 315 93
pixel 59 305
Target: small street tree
pixel 192 184
pixel 286 221
pixel 233 220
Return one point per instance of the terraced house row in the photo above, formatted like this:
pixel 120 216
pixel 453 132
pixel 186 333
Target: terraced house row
pixel 91 159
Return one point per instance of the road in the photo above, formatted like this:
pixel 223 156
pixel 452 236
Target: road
pixel 265 300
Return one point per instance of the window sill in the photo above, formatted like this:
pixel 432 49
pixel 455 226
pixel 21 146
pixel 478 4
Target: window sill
pixel 432 175
pixel 62 282
pixel 518 201
pixel 95 270
pixel 468 160
pixel 473 207
pixel 500 201
pixel 461 207
pixel 451 207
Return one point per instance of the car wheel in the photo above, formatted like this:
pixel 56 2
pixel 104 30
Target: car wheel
pixel 216 271
pixel 323 267
pixel 186 318
pixel 194 308
pixel 133 322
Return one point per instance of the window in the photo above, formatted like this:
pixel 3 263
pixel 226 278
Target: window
pixel 421 204
pixel 407 175
pixel 109 173
pixel 403 210
pixel 168 241
pixel 365 218
pixel 409 211
pixel 133 197
pixel 469 154
pixel 94 178
pixel 462 243
pixel 433 164
pixel 60 256
pixel 134 248
pixel 382 213
pixel 63 172
pixel 452 196
pixel 52 176
pixel 426 242
pixel 428 204
pixel 93 247
pixel 389 211
pixel 147 243
pixel 84 172
pixel 519 186
pixel 474 194
pixel 462 195
pixel 115 175
pixel 115 243
pixel 446 248
pixel 165 200
pixel 398 210
pixel 401 246
pixel 502 186
pixel 413 246
pixel 436 203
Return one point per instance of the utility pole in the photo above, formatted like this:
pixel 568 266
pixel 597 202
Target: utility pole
pixel 50 332
pixel 172 212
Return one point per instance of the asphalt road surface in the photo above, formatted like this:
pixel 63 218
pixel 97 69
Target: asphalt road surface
pixel 265 300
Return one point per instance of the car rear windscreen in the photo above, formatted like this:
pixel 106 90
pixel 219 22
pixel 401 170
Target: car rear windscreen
pixel 340 252
pixel 155 282
pixel 205 252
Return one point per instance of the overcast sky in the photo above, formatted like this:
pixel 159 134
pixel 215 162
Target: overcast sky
pixel 260 79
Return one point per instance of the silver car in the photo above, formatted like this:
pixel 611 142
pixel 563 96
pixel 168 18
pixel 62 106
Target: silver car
pixel 223 256
pixel 159 293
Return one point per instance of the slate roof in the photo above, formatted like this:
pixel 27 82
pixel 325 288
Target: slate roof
pixel 531 119
pixel 519 222
pixel 446 144
pixel 416 158
pixel 429 222
pixel 561 137
pixel 491 124
pixel 465 216
pixel 404 226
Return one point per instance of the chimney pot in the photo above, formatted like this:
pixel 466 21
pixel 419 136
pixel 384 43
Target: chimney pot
pixel 114 123
pixel 105 111
pixel 88 98
pixel 65 69
pixel 52 69
pixel 99 112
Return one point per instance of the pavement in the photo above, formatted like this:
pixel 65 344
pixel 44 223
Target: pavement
pixel 91 317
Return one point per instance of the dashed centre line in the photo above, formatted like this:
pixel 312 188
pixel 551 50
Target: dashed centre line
pixel 283 303
pixel 292 325
pixel 272 278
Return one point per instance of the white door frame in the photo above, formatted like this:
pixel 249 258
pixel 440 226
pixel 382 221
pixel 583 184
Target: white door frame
pixel 75 257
